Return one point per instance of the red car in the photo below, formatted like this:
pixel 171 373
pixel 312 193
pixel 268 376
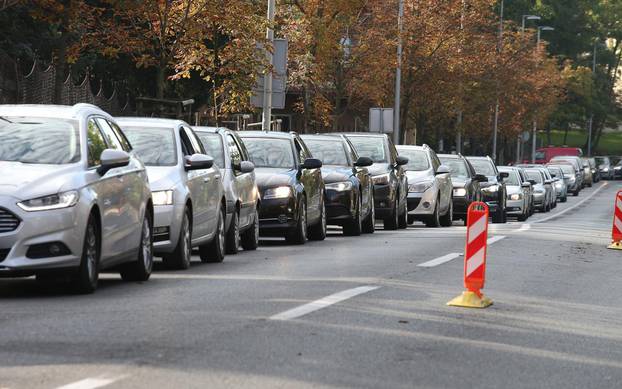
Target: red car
pixel 545 154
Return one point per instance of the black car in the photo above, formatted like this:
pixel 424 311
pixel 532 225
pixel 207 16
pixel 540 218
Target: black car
pixel 388 175
pixel 494 192
pixel 465 181
pixel 349 187
pixel 605 167
pixel 290 184
pixel 238 179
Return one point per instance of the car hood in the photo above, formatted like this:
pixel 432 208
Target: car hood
pixel 513 189
pixel 27 181
pixel 332 173
pixel 162 177
pixel 379 168
pixel 419 176
pixel 272 177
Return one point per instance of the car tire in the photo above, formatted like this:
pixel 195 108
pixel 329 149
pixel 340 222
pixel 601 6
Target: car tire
pixel 140 270
pixel 434 220
pixel 87 276
pixel 214 251
pixel 318 231
pixel 299 234
pixel 447 220
pixel 391 222
pixel 180 258
pixel 233 235
pixel 250 237
pixel 575 193
pixel 564 199
pixel 369 224
pixel 403 218
pixel 354 226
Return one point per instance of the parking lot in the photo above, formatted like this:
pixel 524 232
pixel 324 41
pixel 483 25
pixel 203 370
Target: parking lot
pixel 378 317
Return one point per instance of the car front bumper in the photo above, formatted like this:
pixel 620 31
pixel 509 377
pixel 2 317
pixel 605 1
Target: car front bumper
pixel 384 200
pixel 167 227
pixel 38 229
pixel 277 216
pixel 340 206
pixel 514 207
pixel 422 203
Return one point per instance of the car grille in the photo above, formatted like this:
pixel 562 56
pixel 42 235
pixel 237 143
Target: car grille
pixel 4 253
pixel 8 221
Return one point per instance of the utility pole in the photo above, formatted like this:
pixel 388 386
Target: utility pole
pixel 535 120
pixel 267 86
pixel 519 146
pixel 496 122
pixel 591 122
pixel 398 75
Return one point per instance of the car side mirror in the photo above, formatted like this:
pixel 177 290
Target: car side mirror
pixel 364 162
pixel 246 167
pixel 401 160
pixel 443 169
pixel 311 163
pixel 526 185
pixel 198 162
pixel 481 178
pixel 111 159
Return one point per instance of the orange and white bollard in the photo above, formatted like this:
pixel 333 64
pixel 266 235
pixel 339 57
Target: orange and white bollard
pixel 616 231
pixel 475 259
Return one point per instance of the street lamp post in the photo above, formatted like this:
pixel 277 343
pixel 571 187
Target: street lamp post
pixel 267 87
pixel 535 120
pixel 496 121
pixel 398 76
pixel 528 17
pixel 591 121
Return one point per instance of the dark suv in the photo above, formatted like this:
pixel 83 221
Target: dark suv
pixel 388 176
pixel 238 179
pixel 290 184
pixel 494 192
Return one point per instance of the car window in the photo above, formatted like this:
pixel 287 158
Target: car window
pixel 483 166
pixel 302 154
pixel 393 151
pixel 96 143
pixel 234 151
pixel 512 179
pixel 457 167
pixel 370 146
pixel 186 145
pixel 417 160
pixel 197 147
pixel 330 152
pixel 39 140
pixel 436 163
pixel 535 175
pixel 109 134
pixel 270 152
pixel 212 143
pixel 121 136
pixel 155 146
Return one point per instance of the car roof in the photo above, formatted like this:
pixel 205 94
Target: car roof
pixel 322 137
pixel 211 130
pixel 456 156
pixel 151 122
pixel 508 167
pixel 266 134
pixel 362 134
pixel 478 157
pixel 412 147
pixel 51 111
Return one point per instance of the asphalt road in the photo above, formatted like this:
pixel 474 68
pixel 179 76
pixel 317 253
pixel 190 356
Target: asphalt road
pixel 377 318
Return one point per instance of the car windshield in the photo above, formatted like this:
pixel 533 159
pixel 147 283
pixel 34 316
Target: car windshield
pixel 330 152
pixel 370 146
pixel 417 159
pixel 534 175
pixel 483 166
pixel 39 140
pixel 270 152
pixel 556 171
pixel 601 160
pixel 213 147
pixel 154 146
pixel 512 179
pixel 567 169
pixel 457 167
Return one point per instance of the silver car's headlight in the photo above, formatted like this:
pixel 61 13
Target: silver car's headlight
pixel 606 169
pixel 460 192
pixel 516 196
pixel 491 189
pixel 558 185
pixel 420 187
pixel 51 202
pixel 162 197
pixel 382 179
pixel 280 192
pixel 340 186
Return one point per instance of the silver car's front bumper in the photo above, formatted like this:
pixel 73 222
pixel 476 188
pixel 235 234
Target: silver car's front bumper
pixel 515 207
pixel 62 226
pixel 422 203
pixel 167 216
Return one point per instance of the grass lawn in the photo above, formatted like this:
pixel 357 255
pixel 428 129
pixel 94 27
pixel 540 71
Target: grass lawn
pixel 610 143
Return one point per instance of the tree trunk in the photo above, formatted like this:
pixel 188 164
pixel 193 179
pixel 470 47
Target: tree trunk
pixel 160 80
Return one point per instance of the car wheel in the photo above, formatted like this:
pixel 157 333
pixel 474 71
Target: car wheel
pixel 140 270
pixel 214 251
pixel 181 256
pixel 564 199
pixel 354 226
pixel 87 276
pixel 318 231
pixel 233 235
pixel 250 237
pixel 403 218
pixel 391 222
pixel 299 234
pixel 434 219
pixel 369 224
pixel 447 220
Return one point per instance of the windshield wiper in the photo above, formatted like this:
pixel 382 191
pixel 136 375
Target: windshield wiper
pixel 5 119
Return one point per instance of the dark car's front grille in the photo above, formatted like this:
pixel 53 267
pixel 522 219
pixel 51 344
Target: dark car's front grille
pixel 4 253
pixel 8 221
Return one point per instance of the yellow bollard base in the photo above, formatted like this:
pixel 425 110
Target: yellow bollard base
pixel 470 300
pixel 615 246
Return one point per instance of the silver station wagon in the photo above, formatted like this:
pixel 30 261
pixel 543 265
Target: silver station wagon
pixel 74 199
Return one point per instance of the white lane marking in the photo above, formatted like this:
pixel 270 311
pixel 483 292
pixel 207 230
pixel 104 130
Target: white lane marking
pixel 495 239
pixel 477 228
pixel 524 227
pixel 475 261
pixel 574 206
pixel 322 303
pixel 440 260
pixel 92 383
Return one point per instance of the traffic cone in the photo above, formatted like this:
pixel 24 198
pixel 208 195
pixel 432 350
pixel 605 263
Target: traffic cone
pixel 616 230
